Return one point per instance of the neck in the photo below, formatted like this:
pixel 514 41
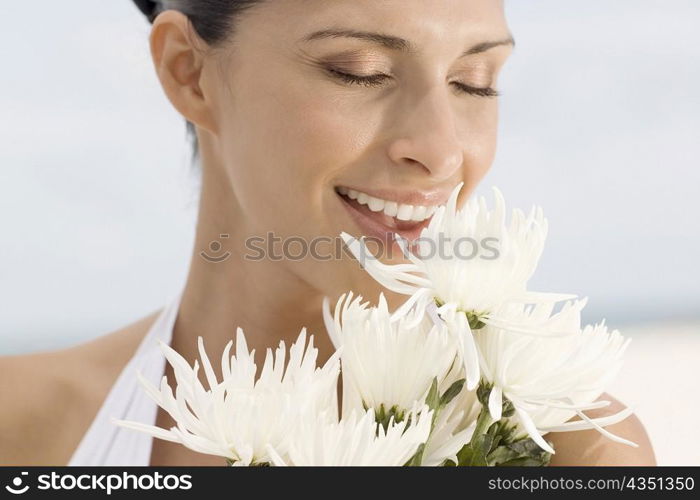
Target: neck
pixel 263 297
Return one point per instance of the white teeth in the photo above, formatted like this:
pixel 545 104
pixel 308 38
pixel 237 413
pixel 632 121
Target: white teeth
pixel 404 211
pixel 391 208
pixel 419 213
pixel 375 204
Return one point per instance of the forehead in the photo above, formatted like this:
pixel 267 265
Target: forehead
pixel 425 23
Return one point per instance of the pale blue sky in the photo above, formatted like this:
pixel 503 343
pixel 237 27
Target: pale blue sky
pixel 600 125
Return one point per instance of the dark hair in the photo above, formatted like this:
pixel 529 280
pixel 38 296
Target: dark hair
pixel 213 20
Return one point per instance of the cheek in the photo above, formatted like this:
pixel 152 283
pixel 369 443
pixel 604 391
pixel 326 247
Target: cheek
pixel 282 146
pixel 479 129
pixel 325 136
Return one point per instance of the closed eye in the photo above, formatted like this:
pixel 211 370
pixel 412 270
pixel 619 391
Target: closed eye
pixel 380 78
pixel 477 91
pixel 368 81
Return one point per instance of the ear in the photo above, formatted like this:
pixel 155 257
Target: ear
pixel 178 56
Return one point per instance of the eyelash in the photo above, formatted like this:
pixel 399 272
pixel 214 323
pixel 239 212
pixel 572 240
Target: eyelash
pixel 376 80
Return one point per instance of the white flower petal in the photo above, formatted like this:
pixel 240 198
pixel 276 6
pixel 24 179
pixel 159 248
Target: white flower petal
pixel 496 403
pixel 531 430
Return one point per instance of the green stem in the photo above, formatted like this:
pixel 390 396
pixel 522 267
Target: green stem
pixel 483 422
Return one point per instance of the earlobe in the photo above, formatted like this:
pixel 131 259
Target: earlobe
pixel 178 55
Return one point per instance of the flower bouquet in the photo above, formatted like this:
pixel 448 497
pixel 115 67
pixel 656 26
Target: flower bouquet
pixel 472 369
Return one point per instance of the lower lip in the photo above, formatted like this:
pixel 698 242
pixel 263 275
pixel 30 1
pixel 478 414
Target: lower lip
pixel 370 225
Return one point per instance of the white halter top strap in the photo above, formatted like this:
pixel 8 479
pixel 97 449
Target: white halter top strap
pixel 108 444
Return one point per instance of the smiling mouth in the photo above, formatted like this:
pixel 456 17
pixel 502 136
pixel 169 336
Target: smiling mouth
pixel 381 218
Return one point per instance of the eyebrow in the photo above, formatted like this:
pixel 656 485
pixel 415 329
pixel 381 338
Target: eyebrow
pixel 396 43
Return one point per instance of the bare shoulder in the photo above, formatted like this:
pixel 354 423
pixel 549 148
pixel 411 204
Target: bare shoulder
pixel 592 448
pixel 48 399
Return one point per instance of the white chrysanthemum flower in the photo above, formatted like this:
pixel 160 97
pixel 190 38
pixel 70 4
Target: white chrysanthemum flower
pixel 475 280
pixel 390 366
pixel 550 378
pixel 387 365
pixel 355 441
pixel 240 416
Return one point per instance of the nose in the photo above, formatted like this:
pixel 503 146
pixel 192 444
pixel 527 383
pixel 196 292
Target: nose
pixel 426 136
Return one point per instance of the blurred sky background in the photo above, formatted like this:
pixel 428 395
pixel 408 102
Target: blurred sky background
pixel 600 125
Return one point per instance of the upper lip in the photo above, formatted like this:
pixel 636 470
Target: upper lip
pixel 407 196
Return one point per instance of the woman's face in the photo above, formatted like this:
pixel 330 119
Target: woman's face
pixel 388 98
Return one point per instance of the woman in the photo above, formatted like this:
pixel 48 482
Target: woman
pixel 293 104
